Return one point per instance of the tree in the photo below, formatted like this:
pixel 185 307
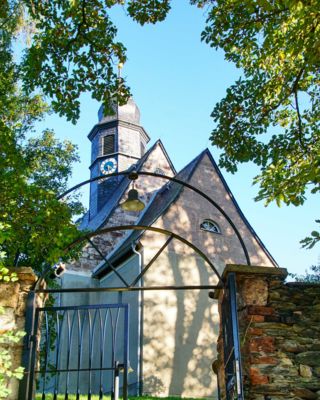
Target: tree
pixel 72 49
pixel 35 227
pixel 269 116
pixel 311 276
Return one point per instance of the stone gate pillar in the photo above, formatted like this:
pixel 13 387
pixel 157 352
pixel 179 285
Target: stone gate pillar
pixel 279 326
pixel 13 296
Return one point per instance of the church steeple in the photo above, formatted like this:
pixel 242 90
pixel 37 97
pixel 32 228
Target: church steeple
pixel 117 142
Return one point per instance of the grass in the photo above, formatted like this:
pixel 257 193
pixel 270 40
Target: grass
pixel 49 396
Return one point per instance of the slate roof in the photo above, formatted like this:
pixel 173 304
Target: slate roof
pixel 104 214
pixel 162 200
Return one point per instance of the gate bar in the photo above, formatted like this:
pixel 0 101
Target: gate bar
pixel 128 289
pixel 235 334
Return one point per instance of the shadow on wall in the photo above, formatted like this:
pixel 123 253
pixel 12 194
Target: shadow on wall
pixel 155 383
pixel 188 358
pixel 180 327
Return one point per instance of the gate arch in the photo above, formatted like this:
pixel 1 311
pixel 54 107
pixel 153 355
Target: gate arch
pixel 132 175
pixel 131 287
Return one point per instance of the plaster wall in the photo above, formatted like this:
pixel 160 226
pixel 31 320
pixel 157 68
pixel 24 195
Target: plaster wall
pixel 129 270
pixel 180 329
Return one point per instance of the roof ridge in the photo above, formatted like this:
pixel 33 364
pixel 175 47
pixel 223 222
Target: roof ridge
pixel 195 161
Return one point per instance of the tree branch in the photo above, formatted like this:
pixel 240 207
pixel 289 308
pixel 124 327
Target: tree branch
pixel 79 26
pixel 296 100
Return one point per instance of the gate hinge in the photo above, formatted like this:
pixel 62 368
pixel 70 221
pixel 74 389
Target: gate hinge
pixel 31 338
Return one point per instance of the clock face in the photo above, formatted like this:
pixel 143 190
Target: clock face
pixel 108 166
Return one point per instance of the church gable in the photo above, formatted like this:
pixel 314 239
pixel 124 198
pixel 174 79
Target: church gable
pixel 157 160
pixel 183 211
pixel 208 177
pixel 190 216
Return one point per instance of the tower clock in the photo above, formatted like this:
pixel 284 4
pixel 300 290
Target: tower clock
pixel 108 166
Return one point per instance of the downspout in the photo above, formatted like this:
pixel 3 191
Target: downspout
pixel 139 353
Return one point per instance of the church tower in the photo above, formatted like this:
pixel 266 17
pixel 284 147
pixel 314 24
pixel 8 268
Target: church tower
pixel 117 142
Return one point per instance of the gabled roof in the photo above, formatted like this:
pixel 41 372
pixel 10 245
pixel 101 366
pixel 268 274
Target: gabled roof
pixel 105 213
pixel 165 196
pixel 162 200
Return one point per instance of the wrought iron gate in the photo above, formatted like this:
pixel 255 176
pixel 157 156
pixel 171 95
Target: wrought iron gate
pixel 77 350
pixel 230 331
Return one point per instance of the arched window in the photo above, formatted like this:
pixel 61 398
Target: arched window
pixel 210 226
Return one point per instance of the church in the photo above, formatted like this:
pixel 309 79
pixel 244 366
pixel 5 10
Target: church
pixel 172 333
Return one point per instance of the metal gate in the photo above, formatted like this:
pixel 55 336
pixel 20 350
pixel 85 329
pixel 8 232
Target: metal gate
pixel 230 331
pixel 76 350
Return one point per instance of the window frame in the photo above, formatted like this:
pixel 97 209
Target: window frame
pixel 216 230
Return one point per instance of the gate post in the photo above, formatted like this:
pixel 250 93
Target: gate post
pixel 14 302
pixel 28 357
pixel 242 302
pixel 27 345
pixel 228 365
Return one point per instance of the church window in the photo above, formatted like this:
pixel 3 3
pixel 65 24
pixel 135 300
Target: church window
pixel 210 226
pixel 108 145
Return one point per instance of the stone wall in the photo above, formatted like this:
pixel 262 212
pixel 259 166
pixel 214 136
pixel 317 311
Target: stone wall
pixel 13 300
pixel 279 334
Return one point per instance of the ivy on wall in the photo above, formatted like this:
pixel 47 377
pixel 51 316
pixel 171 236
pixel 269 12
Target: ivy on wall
pixel 7 340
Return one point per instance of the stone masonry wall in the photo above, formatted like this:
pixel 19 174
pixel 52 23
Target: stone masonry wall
pixel 279 333
pixel 13 297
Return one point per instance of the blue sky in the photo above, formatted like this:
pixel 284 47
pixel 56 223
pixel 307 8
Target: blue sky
pixel 175 80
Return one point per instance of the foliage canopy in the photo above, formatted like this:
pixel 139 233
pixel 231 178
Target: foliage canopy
pixel 269 116
pixel 34 227
pixel 277 45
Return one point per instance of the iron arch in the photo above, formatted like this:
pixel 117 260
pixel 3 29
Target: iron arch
pixel 133 175
pixel 131 287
